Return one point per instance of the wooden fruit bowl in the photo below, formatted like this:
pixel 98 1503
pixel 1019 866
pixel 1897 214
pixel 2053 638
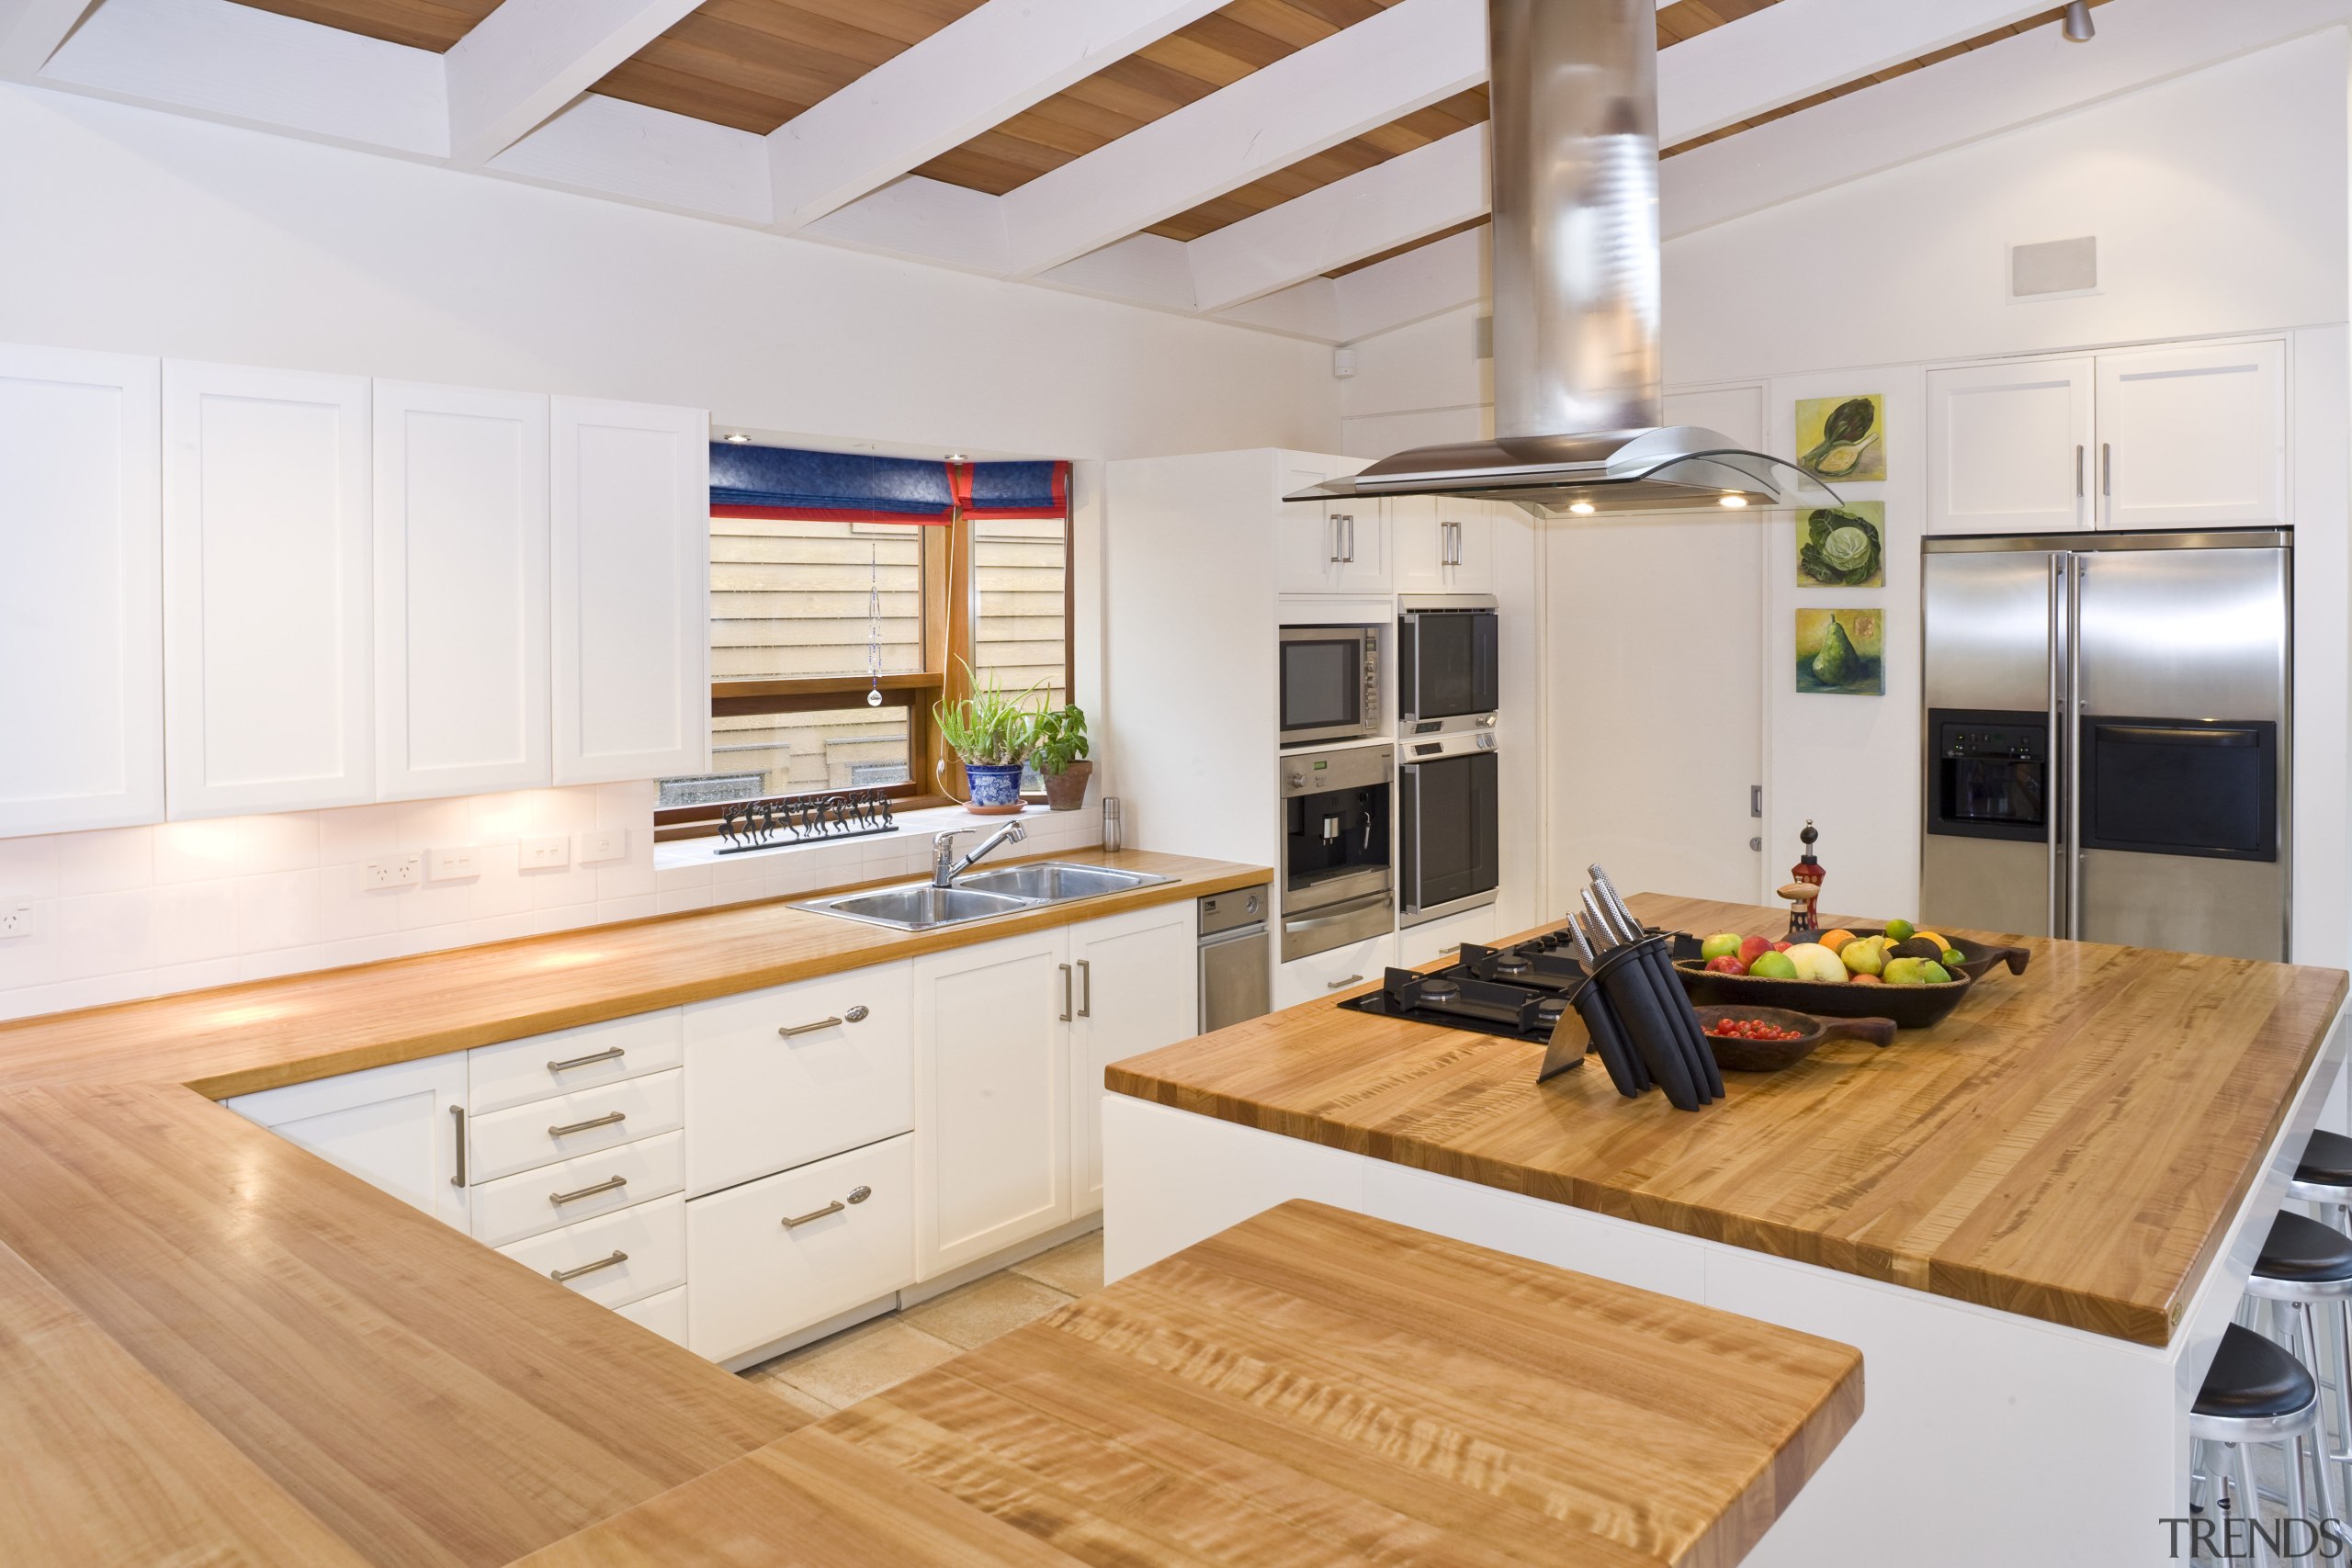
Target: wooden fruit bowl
pixel 1771 1056
pixel 1911 1007
pixel 1976 958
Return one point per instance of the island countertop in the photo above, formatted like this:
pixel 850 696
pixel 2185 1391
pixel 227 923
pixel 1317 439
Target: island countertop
pixel 2069 1145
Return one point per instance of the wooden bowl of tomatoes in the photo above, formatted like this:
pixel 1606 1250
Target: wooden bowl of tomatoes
pixel 1765 1040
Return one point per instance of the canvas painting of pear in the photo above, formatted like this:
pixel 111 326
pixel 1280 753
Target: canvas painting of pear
pixel 1842 652
pixel 1842 438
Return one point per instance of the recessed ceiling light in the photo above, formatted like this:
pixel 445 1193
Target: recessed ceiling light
pixel 1581 508
pixel 1733 501
pixel 957 457
pixel 736 438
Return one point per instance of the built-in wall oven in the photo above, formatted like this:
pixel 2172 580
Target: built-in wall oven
pixel 1336 887
pixel 1329 684
pixel 1448 846
pixel 1448 647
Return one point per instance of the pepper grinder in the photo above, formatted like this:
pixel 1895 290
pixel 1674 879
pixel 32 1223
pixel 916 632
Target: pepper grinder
pixel 1803 889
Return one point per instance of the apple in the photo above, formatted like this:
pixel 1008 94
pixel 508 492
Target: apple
pixel 1934 973
pixel 1772 965
pixel 1814 961
pixel 1752 946
pixel 1723 945
pixel 1866 981
pixel 1725 964
pixel 1783 946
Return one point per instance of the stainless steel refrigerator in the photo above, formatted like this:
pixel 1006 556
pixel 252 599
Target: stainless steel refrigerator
pixel 2107 738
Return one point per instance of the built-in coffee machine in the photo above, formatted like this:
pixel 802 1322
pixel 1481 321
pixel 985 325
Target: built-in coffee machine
pixel 1336 878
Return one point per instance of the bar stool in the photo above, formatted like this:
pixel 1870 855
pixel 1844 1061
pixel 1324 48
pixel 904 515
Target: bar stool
pixel 2324 1177
pixel 2304 1266
pixel 2256 1392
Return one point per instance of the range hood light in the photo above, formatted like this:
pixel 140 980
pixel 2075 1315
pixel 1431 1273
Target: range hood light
pixel 1581 508
pixel 1733 500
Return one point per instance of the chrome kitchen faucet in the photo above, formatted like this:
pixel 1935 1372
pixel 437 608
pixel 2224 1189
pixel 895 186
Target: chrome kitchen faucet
pixel 945 868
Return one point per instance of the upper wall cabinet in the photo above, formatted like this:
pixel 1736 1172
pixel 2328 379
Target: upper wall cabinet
pixel 1443 545
pixel 269 668
pixel 631 553
pixel 1332 546
pixel 81 591
pixel 461 591
pixel 2191 437
pixel 2009 447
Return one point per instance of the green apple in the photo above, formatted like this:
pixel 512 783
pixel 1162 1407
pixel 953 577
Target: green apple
pixel 1723 945
pixel 1773 967
pixel 1934 973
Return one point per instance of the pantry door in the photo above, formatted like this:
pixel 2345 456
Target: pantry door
pixel 1653 633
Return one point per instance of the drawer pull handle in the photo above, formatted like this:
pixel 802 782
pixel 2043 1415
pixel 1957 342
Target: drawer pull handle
pixel 1343 985
pixel 856 1195
pixel 615 1055
pixel 564 1276
pixel 609 1119
pixel 855 1015
pixel 610 1184
pixel 457 1116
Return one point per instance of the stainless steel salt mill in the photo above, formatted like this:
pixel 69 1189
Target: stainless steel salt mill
pixel 1113 841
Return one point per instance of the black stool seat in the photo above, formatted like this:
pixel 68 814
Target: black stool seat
pixel 2302 1251
pixel 2328 1160
pixel 2253 1379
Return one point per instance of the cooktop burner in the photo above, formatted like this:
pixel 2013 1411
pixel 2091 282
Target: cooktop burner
pixel 1518 992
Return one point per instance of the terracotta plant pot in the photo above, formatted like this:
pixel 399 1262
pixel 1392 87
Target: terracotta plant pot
pixel 1066 791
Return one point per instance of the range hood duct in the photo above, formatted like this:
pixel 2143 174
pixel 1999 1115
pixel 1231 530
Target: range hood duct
pixel 1579 381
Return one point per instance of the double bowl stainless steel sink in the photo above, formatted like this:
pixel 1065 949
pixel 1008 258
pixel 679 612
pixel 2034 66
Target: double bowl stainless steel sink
pixel 920 907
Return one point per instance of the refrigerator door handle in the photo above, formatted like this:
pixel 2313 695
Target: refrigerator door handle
pixel 2053 765
pixel 2075 567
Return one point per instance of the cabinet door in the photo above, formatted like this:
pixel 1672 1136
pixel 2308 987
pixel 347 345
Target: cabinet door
pixel 1363 531
pixel 991 1097
pixel 1136 990
pixel 1423 544
pixel 399 1128
pixel 630 539
pixel 461 591
pixel 2193 436
pixel 2009 447
pixel 1469 544
pixel 269 672
pixel 81 591
pixel 1306 538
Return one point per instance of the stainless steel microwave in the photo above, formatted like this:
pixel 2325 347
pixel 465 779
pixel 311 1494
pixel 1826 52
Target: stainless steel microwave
pixel 1329 684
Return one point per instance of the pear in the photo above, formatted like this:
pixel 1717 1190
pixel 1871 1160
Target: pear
pixel 1867 956
pixel 1837 662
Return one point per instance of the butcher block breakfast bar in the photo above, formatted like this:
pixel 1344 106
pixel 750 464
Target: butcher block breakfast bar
pixel 2034 1218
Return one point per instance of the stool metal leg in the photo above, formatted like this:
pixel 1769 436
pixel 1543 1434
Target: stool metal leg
pixel 2245 1503
pixel 2342 1456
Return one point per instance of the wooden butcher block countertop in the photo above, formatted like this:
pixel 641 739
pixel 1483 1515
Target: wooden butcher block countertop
pixel 1310 1387
pixel 2069 1144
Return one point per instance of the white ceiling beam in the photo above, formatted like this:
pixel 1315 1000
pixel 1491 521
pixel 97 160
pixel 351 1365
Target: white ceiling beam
pixel 923 220
pixel 1390 204
pixel 1308 310
pixel 1456 271
pixel 1142 269
pixel 530 58
pixel 648 157
pixel 32 30
pixel 970 76
pixel 1408 57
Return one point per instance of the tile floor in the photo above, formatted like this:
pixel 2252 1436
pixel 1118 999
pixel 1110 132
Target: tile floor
pixel 860 1362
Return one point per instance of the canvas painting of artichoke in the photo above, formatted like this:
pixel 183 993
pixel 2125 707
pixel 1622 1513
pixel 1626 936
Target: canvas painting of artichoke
pixel 1842 546
pixel 1842 438
pixel 1842 651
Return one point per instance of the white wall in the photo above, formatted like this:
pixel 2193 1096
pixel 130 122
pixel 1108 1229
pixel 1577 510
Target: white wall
pixel 2219 202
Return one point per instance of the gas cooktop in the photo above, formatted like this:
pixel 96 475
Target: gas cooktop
pixel 1518 992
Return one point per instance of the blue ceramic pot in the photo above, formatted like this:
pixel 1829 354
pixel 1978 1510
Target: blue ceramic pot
pixel 994 785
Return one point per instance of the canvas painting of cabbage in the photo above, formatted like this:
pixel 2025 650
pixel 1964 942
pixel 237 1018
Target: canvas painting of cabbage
pixel 1842 438
pixel 1842 652
pixel 1842 546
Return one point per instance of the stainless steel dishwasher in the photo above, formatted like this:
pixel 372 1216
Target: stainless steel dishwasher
pixel 1237 968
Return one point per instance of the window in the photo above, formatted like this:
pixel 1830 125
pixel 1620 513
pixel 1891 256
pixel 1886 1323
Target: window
pixel 809 614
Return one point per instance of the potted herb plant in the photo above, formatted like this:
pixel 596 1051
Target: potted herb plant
pixel 1061 756
pixel 992 734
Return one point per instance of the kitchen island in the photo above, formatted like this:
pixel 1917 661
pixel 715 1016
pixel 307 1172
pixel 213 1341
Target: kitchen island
pixel 2034 1219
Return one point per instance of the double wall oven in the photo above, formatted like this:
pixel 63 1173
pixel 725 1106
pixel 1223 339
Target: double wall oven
pixel 1449 853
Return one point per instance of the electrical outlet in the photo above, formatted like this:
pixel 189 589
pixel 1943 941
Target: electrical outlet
pixel 17 921
pixel 448 865
pixel 605 843
pixel 550 853
pixel 393 871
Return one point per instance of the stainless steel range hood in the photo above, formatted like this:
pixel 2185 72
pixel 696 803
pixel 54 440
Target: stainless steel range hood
pixel 1579 389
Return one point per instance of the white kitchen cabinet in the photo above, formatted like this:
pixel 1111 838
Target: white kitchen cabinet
pixel 1441 545
pixel 615 1258
pixel 664 1314
pixel 1135 991
pixel 791 1074
pixel 1329 547
pixel 2193 436
pixel 400 1128
pixel 542 1066
pixel 81 591
pixel 461 591
pixel 1322 975
pixel 630 614
pixel 991 1097
pixel 1442 938
pixel 269 666
pixel 534 1202
pixel 586 1120
pixel 2010 447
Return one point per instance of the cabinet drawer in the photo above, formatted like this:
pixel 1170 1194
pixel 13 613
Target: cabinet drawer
pixel 545 1130
pixel 763 1101
pixel 664 1314
pixel 570 1060
pixel 579 1189
pixel 646 1247
pixel 758 1278
pixel 1327 976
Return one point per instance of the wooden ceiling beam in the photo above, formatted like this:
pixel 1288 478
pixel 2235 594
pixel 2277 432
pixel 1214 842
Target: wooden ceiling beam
pixel 961 81
pixel 526 60
pixel 31 30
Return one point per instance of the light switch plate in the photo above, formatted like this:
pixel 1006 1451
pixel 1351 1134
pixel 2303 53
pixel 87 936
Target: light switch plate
pixel 17 921
pixel 550 853
pixel 603 844
pixel 450 864
pixel 393 871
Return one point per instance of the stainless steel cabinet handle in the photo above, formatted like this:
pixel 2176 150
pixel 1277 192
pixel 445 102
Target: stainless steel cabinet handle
pixel 789 1030
pixel 1343 985
pixel 1336 518
pixel 1065 1013
pixel 457 1119
pixel 2078 470
pixel 858 1194
pixel 610 1184
pixel 1352 538
pixel 615 1055
pixel 562 1276
pixel 610 1119
pixel 2106 472
pixel 1338 913
pixel 1085 989
pixel 2077 568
